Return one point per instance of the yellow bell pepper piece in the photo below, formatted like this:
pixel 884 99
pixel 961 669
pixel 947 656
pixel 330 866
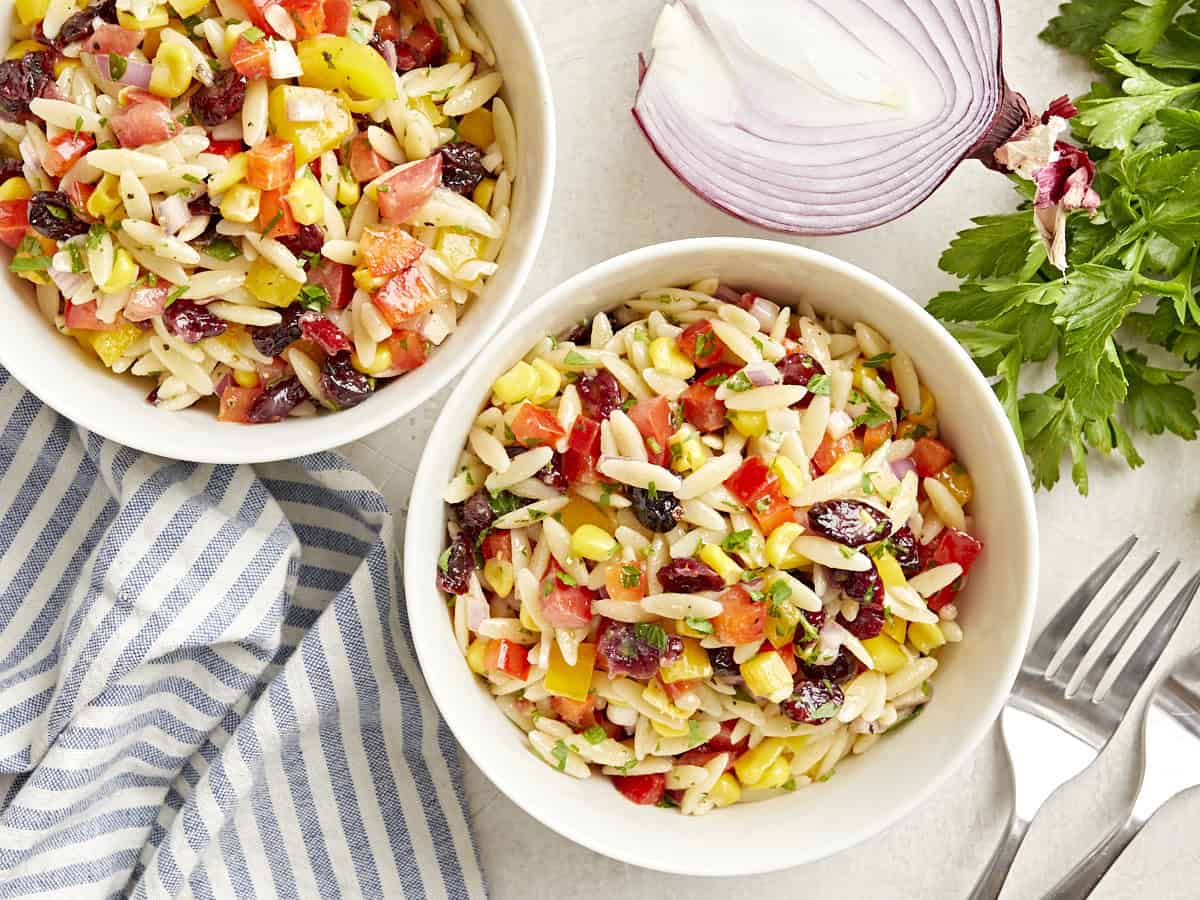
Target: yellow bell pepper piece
pixel 516 384
pixel 331 62
pixel 779 547
pixel 124 272
pixel 753 764
pixel 20 48
pixel 688 453
pixel 310 139
pixel 477 654
pixel 461 56
pixel 17 188
pixel 548 382
pixel 105 198
pixel 693 662
pixel 956 480
pixel 792 478
pixel 890 572
pixel 926 636
pixel 782 620
pixel 187 8
pixel 924 415
pixel 777 775
pixel 306 201
pixel 241 203
pixel 483 194
pixel 580 511
pixel 684 630
pixel 234 171
pixel 888 657
pixel 365 281
pixel 476 127
pixel 156 18
pixel 666 357
pixel 847 462
pixel 429 110
pixel 380 364
pixel 897 629
pixel 271 286
pixel 30 11
pixel 571 681
pixel 594 543
pixel 725 792
pixel 657 697
pixel 750 424
pixel 722 562
pixel 767 676
pixel 112 345
pixel 498 573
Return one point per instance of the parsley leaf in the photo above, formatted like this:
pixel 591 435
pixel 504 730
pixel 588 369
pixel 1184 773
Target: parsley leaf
pixel 595 735
pixel 651 634
pixel 1081 24
pixel 700 626
pixel 997 246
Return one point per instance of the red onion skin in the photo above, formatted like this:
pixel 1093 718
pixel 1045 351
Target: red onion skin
pixel 1013 115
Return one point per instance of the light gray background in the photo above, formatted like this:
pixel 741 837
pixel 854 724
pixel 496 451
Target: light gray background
pixel 613 195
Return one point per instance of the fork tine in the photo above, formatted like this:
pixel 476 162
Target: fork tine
pixel 1070 663
pixel 1064 620
pixel 1117 642
pixel 1138 666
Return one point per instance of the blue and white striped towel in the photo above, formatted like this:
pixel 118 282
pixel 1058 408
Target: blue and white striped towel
pixel 207 686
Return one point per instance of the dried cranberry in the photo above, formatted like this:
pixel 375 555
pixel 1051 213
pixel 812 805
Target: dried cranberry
pixel 271 340
pixel 421 48
pixel 813 702
pixel 343 384
pixel 476 514
pixel 9 168
pixel 907 551
pixel 552 474
pixel 215 104
pixel 202 206
pixel 674 648
pixel 51 214
pixel 578 333
pixel 325 333
pixel 309 239
pixel 657 510
pixel 79 25
pixel 627 652
pixel 868 623
pixel 839 671
pixel 277 401
pixel 462 167
pixel 861 585
pixel 799 368
pixel 599 394
pixel 815 619
pixel 191 322
pixel 849 522
pixel 455 567
pixel 689 576
pixel 723 662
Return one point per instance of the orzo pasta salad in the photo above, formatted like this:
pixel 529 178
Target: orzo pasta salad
pixel 708 545
pixel 278 204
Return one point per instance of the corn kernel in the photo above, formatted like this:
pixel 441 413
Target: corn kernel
pixel 112 345
pixel 569 681
pixel 171 74
pixel 124 272
pixel 928 407
pixel 591 542
pixel 482 196
pixel 777 775
pixel 62 64
pixel 782 620
pixel 240 203
pixel 847 462
pixel 187 8
pixel 926 636
pixel 657 697
pixel 380 364
pixel 753 764
pixel 17 188
pixel 779 547
pixel 792 478
pixel 749 424
pixel 461 56
pixel 721 562
pixel 767 676
pixel 271 286
pixel 348 191
pixel 234 171
pixel 548 382
pixel 956 480
pixel 20 48
pixel 498 573
pixel 693 662
pixel 890 572
pixel 476 654
pixel 30 11
pixel 105 198
pixel 476 127
pixel 687 450
pixel 244 378
pixel 580 511
pixel 156 18
pixel 306 201
pixel 897 629
pixel 888 656
pixel 516 384
pixel 725 792
pixel 667 358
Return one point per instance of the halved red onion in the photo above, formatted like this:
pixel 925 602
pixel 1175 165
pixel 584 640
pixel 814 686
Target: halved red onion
pixel 901 467
pixel 764 311
pixel 825 116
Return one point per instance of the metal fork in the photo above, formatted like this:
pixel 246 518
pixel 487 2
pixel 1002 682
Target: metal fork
pixel 1052 733
pixel 1170 746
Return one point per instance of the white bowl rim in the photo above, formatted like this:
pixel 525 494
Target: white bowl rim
pixel 361 421
pixel 717 865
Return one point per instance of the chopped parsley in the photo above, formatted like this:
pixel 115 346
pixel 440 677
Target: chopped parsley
pixel 254 35
pixel 778 591
pixel 667 802
pixel 223 249
pixel 651 634
pixel 705 344
pixel 178 291
pixel 878 360
pixel 566 579
pixel 819 384
pixel 867 486
pixel 652 491
pixel 595 735
pixel 95 235
pixel 560 752
pixel 274 221
pixel 76 256
pixel 700 626
pixel 444 560
pixel 739 382
pixel 575 358
pixel 314 297
pixel 716 380
pixel 631 576
pixel 737 540
pixel 117 64
pixel 654 445
pixel 694 736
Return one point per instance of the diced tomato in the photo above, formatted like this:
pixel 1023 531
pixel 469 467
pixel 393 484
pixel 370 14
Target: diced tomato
pixel 236 403
pixel 337 16
pixel 79 193
pixel 567 605
pixel 146 303
pixel 251 60
pixel 257 12
pixel 497 545
pixel 722 741
pixel 408 350
pixel 142 122
pixel 271 164
pixel 829 451
pixel 307 15
pixel 653 420
pixel 536 426
pixel 226 149
pixel 365 163
pixel 14 222
pixel 325 334
pixel 749 480
pixel 132 96
pixel 741 620
pixel 955 546
pixel 406 191
pixel 579 716
pixel 677 689
pixel 388 27
pixel 336 278
pixel 405 296
pixel 644 790
pixel 874 437
pixel 626 581
pixel 507 657
pixel 700 344
pixel 275 218
pixel 65 149
pixel 583 451
pixel 421 48
pixel 113 39
pixel 931 456
pixel 82 317
pixel 389 250
pixel 702 408
pixel 771 509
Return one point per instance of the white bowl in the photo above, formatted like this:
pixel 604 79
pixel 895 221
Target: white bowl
pixel 870 792
pixel 78 386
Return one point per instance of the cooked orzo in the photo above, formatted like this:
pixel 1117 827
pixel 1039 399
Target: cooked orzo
pixel 279 204
pixel 708 544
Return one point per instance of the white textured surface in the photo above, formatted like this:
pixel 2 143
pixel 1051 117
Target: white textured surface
pixel 614 195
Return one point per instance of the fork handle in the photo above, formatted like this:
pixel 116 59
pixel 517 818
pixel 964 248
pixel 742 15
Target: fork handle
pixel 1082 880
pixel 991 882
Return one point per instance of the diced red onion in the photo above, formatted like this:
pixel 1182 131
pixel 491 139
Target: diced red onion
pixel 477 610
pixel 172 213
pixel 762 374
pixel 137 73
pixel 223 382
pixel 775 165
pixel 727 294
pixel 302 107
pixel 901 467
pixel 389 53
pixel 67 282
pixel 764 311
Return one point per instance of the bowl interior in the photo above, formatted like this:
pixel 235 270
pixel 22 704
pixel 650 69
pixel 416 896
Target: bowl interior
pixel 870 792
pixel 77 385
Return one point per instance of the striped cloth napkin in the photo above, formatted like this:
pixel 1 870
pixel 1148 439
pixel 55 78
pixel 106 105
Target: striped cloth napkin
pixel 207 685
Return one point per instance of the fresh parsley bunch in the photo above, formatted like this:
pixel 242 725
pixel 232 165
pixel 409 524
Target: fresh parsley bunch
pixel 1141 125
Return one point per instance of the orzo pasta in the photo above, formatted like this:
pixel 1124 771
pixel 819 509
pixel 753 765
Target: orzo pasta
pixel 278 204
pixel 707 544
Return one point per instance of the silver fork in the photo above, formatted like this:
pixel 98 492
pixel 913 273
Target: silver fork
pixel 1170 745
pixel 1052 733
